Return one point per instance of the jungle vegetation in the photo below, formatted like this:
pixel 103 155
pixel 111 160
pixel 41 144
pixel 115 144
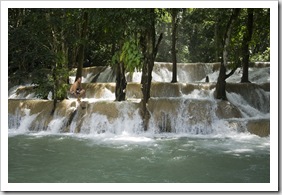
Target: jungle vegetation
pixel 45 44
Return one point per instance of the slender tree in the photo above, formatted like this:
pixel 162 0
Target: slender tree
pixel 128 58
pixel 245 45
pixel 174 21
pixel 82 45
pixel 125 50
pixel 120 82
pixel 149 50
pixel 220 92
pixel 56 22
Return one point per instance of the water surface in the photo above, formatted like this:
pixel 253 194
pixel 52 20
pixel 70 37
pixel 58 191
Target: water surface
pixel 107 158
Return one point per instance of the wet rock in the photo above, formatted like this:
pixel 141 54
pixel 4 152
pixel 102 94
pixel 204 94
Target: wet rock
pixel 226 110
pixel 260 127
pixel 162 89
pixel 133 90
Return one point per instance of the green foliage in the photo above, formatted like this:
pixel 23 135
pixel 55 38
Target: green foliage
pixel 60 75
pixel 201 31
pixel 259 45
pixel 261 56
pixel 43 79
pixel 261 32
pixel 130 55
pixel 43 43
pixel 38 42
pixel 196 37
pixel 164 15
pixel 51 80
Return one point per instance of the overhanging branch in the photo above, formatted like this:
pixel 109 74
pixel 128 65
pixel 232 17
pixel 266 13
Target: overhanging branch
pixel 231 72
pixel 158 43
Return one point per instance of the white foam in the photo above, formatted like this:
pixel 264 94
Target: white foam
pixel 200 94
pixel 24 124
pixel 14 92
pixel 246 109
pixel 161 75
pixel 137 77
pixel 131 124
pixel 256 75
pixel 56 124
pixel 129 138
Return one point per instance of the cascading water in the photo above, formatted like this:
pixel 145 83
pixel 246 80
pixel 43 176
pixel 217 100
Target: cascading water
pixel 192 137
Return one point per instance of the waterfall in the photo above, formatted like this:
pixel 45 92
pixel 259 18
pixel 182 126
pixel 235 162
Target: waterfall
pixel 186 107
pixel 107 75
pixel 179 115
pixel 20 123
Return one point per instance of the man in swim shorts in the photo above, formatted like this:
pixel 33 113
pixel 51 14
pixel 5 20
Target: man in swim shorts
pixel 76 89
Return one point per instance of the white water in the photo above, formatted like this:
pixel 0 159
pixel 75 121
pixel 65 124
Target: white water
pixel 129 125
pixel 159 74
pixel 14 92
pixel 56 124
pixel 256 75
pixel 97 124
pixel 87 79
pixel 118 149
pixel 246 109
pixel 19 124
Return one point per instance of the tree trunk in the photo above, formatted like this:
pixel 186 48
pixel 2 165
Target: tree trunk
pixel 147 76
pixel 83 37
pixel 55 86
pixel 173 40
pixel 220 92
pixel 221 83
pixel 245 46
pixel 120 82
pixel 217 42
pixel 149 50
pixel 74 50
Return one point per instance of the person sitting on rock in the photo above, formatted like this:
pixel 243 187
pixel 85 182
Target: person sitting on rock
pixel 77 90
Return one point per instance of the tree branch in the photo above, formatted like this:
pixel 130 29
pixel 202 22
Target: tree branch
pixel 231 72
pixel 157 46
